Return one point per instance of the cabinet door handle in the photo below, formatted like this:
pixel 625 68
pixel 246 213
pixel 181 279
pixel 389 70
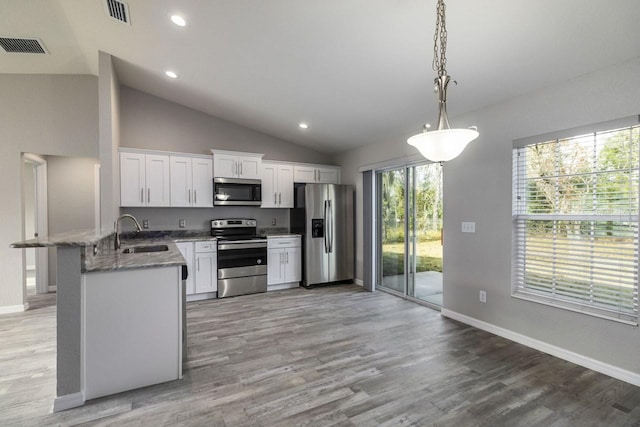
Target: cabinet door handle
pixel 286 254
pixel 198 264
pixel 141 195
pixel 189 192
pixel 149 195
pixel 195 196
pixel 235 167
pixel 275 198
pixel 279 198
pixel 240 166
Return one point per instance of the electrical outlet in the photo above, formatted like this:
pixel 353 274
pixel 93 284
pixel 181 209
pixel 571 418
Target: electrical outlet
pixel 483 296
pixel 273 221
pixel 182 223
pixel 468 227
pixel 145 223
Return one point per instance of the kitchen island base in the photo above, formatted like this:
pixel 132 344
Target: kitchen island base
pixel 132 329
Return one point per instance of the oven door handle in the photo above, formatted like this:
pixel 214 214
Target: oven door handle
pixel 244 245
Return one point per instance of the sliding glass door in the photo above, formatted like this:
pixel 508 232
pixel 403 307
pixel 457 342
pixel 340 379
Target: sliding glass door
pixel 409 244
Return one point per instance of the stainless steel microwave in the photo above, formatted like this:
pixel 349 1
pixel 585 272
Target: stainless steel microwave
pixel 237 192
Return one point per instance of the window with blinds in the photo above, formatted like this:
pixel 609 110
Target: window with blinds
pixel 575 207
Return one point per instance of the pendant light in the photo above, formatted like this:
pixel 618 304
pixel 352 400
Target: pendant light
pixel 444 143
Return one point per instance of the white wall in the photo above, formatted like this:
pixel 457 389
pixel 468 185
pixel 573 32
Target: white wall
pixel 42 114
pixel 477 187
pixel 71 199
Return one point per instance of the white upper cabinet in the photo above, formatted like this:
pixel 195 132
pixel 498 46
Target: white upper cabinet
pixel 144 179
pixel 191 182
pixel 320 174
pixel 277 185
pixel 202 182
pixel 233 164
pixel 181 181
pixel 132 179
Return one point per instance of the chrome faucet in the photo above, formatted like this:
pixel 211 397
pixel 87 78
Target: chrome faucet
pixel 116 227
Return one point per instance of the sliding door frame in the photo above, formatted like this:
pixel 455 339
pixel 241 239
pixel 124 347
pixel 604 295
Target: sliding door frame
pixel 409 240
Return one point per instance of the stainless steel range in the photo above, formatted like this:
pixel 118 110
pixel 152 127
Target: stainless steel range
pixel 242 257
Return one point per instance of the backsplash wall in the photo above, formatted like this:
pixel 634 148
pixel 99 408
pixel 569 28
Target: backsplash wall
pixel 198 218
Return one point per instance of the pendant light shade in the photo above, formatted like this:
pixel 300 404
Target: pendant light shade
pixel 443 145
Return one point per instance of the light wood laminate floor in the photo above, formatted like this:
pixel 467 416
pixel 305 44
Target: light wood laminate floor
pixel 327 356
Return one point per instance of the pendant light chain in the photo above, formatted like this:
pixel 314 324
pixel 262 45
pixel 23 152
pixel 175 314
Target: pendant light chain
pixel 440 50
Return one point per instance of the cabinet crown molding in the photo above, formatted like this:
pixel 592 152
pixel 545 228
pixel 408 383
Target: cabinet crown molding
pixel 236 153
pixel 165 153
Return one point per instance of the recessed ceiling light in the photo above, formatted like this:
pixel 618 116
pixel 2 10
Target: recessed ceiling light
pixel 171 74
pixel 303 126
pixel 178 20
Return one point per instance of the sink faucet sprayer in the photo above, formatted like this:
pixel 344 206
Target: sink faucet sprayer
pixel 116 227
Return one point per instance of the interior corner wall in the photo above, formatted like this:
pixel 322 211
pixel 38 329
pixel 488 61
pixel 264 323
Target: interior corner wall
pixel 109 139
pixel 477 187
pixel 43 114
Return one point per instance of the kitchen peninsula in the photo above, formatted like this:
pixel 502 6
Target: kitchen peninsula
pixel 119 314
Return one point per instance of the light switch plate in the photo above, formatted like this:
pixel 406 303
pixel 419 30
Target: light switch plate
pixel 483 296
pixel 182 223
pixel 468 227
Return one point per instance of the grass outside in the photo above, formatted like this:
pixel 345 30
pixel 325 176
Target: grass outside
pixel 428 257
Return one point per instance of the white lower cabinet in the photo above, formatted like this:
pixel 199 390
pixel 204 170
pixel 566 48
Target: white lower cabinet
pixel 202 266
pixel 284 262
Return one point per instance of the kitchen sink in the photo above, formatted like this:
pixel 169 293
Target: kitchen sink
pixel 148 248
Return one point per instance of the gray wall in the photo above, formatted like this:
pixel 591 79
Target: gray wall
pixel 109 139
pixel 477 187
pixel 43 114
pixel 71 194
pixel 149 122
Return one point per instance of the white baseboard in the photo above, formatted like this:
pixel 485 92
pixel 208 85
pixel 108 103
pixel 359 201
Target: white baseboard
pixel 587 362
pixel 68 401
pixel 358 282
pixel 203 296
pixel 14 308
pixel 281 286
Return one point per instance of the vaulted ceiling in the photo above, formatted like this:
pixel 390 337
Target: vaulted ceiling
pixel 357 71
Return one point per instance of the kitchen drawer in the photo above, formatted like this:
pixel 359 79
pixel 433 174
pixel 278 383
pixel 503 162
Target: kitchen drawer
pixel 207 246
pixel 284 242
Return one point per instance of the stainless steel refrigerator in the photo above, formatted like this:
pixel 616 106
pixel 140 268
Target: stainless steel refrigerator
pixel 323 214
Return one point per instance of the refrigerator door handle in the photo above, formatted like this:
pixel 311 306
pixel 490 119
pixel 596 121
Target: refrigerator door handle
pixel 331 225
pixel 326 227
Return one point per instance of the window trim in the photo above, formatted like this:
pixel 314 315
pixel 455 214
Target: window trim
pixel 521 293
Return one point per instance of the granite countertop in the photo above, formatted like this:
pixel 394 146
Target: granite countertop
pixel 175 235
pixel 72 238
pixel 111 260
pixel 282 234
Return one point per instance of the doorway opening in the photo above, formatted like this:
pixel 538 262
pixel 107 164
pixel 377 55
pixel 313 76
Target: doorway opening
pixel 409 232
pixel 36 266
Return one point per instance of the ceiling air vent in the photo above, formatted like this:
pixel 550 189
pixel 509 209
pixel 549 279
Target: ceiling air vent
pixel 118 10
pixel 21 45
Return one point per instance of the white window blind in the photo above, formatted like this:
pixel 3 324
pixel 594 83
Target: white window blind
pixel 575 207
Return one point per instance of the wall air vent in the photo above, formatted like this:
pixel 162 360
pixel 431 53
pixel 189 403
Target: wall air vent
pixel 118 10
pixel 22 45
